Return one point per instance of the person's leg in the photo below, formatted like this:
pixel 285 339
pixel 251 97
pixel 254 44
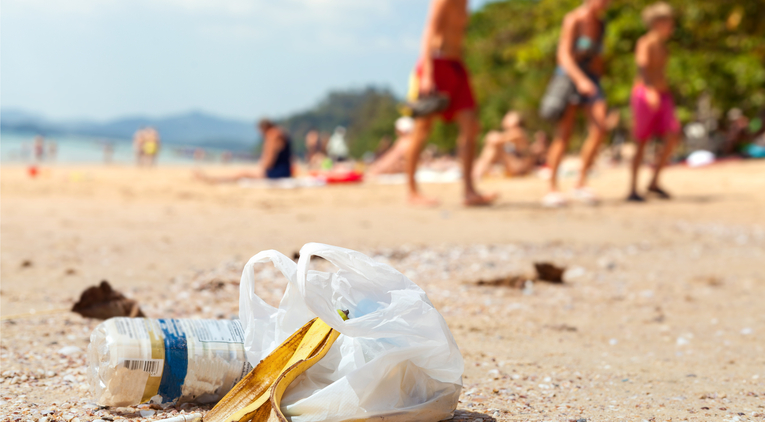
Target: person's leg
pixel 490 154
pixel 670 141
pixel 422 127
pixel 669 127
pixel 390 161
pixel 559 144
pixel 469 128
pixel 517 166
pixel 596 132
pixel 637 160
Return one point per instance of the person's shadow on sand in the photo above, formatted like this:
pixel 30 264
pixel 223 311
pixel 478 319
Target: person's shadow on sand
pixel 609 202
pixel 679 199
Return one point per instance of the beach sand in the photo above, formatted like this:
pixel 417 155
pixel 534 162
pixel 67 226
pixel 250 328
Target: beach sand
pixel 661 315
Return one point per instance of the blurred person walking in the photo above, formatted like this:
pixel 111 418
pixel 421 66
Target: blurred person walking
pixel 38 148
pixel 275 161
pixel 441 71
pixel 575 85
pixel 150 146
pixel 108 148
pixel 653 109
pixel 138 138
pixel 52 150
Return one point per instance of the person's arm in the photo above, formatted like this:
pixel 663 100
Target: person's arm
pixel 438 9
pixel 643 60
pixel 566 57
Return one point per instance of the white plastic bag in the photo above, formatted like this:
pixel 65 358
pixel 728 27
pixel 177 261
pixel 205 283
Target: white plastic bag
pixel 395 360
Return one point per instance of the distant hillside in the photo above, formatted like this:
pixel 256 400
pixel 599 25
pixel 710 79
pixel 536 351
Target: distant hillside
pixel 193 128
pixel 368 114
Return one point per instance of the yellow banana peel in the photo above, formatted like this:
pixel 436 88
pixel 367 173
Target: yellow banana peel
pixel 254 397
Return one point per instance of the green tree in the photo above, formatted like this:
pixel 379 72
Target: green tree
pixel 367 114
pixel 718 48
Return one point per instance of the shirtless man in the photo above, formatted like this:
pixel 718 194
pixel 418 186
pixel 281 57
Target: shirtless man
pixel 509 147
pixel 580 57
pixel 653 109
pixel 440 70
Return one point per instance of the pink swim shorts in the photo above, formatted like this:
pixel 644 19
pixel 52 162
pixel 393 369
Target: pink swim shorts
pixel 647 122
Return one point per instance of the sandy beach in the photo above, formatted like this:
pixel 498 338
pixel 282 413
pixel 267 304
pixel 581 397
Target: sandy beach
pixel 661 316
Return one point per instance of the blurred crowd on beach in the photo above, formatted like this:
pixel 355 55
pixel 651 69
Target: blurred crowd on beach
pixel 441 89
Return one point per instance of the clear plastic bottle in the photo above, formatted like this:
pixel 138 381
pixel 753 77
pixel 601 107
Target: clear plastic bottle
pixel 139 360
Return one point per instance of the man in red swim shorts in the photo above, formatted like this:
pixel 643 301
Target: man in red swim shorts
pixel 653 110
pixel 440 70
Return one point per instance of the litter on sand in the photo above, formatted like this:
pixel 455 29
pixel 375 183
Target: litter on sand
pixel 311 344
pixel 103 302
pixel 549 272
pixel 545 271
pixel 165 361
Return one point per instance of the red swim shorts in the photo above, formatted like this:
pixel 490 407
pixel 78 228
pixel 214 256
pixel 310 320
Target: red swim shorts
pixel 451 78
pixel 646 121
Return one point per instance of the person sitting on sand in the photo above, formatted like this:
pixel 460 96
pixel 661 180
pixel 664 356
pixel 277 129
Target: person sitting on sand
pixel 314 149
pixel 510 147
pixel 337 147
pixel 441 71
pixel 275 162
pixel 653 109
pixel 737 135
pixel 393 160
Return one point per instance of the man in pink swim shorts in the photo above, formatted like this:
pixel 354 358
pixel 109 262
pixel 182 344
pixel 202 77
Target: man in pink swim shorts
pixel 653 110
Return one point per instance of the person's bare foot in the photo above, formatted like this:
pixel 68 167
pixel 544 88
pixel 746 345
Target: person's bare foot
pixel 634 197
pixel 659 192
pixel 475 199
pixel 420 200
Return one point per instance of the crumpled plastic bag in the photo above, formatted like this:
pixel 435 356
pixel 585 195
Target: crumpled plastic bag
pixel 395 358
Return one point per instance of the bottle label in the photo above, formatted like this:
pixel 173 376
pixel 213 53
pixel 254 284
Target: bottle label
pixel 218 331
pixel 186 359
pixel 176 359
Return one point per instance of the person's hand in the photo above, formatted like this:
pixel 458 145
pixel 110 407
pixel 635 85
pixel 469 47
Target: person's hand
pixel 653 98
pixel 586 88
pixel 427 85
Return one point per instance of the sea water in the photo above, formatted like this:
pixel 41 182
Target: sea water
pixel 19 148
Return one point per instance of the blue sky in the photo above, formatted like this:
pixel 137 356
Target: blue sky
pixel 100 59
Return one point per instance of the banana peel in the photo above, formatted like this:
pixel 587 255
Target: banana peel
pixel 257 397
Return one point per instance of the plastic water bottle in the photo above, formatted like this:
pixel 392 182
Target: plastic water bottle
pixel 139 360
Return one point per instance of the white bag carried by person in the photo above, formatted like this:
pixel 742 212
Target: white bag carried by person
pixel 395 359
